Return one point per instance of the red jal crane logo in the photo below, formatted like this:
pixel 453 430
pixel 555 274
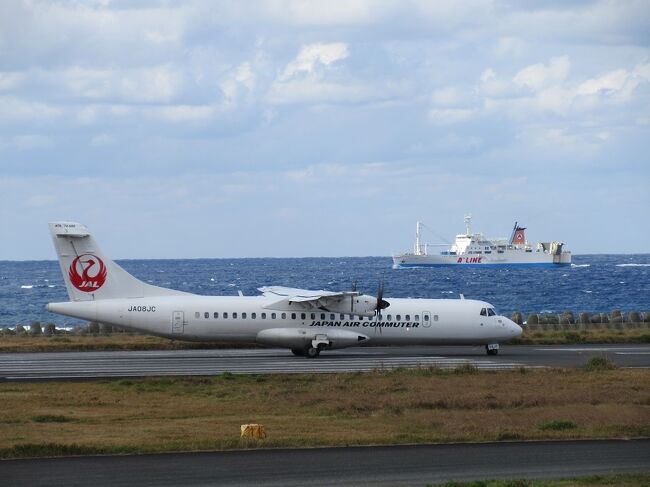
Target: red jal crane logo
pixel 87 273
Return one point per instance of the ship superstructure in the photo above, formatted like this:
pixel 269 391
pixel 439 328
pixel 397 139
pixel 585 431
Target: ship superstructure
pixel 474 249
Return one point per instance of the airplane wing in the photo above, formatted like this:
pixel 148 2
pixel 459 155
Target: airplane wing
pixel 308 298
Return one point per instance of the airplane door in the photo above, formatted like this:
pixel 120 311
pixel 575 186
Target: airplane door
pixel 177 322
pixel 426 319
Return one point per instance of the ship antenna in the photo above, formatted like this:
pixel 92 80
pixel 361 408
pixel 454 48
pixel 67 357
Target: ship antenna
pixel 418 248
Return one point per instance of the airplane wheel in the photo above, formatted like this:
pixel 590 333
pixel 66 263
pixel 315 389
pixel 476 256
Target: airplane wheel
pixel 492 352
pixel 312 352
pixel 298 351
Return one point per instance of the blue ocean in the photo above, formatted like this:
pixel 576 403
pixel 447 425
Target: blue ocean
pixel 593 283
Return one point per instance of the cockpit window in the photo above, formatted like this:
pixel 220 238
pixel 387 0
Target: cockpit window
pixel 483 312
pixel 491 312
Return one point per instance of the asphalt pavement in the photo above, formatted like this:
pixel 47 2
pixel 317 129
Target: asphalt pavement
pixel 415 465
pixel 76 365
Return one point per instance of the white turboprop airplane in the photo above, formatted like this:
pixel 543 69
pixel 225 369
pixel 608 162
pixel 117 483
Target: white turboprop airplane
pixel 304 321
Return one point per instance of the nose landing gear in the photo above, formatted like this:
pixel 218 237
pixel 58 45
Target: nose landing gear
pixel 492 348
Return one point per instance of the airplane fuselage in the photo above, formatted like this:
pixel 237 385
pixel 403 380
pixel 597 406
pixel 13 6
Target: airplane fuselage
pixel 242 318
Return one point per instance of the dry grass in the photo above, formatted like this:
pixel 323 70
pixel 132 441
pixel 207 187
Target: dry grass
pixel 553 337
pixel 422 405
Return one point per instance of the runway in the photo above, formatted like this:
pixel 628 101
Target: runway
pixel 358 466
pixel 88 365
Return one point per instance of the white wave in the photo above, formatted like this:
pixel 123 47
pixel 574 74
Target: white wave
pixel 587 291
pixel 27 286
pixel 580 265
pixel 447 292
pixel 51 285
pixel 632 265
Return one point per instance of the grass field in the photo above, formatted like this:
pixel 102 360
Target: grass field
pixel 127 341
pixel 401 406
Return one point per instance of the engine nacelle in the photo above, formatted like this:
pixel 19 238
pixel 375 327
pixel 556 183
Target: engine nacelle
pixel 302 338
pixel 362 305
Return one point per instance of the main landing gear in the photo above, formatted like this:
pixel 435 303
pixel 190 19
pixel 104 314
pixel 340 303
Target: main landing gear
pixel 309 352
pixel 492 348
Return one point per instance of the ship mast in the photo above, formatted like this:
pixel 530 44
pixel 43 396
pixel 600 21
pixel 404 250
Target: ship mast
pixel 468 224
pixel 512 235
pixel 418 246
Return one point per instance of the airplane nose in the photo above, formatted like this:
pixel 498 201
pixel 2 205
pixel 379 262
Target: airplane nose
pixel 515 329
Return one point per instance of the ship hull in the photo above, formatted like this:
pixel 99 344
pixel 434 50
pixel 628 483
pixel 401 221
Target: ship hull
pixel 535 259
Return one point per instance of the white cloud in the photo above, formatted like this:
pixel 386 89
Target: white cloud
pixel 538 76
pixel 311 77
pixel 312 56
pixel 492 85
pixel 618 84
pixel 240 81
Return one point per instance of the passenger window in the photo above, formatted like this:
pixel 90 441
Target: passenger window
pixel 263 316
pixel 435 317
pixel 426 317
pixel 197 315
pixel 398 317
pixel 313 316
pixel 322 316
pixel 389 317
pixel 332 316
pixel 483 312
pixel 225 316
pixel 284 316
pixel 234 316
pixel 216 315
pixel 243 316
pixel 407 317
pixel 272 316
pixel 342 316
pixel 206 315
pixel 253 316
pixel 293 316
pixel 417 318
pixel 303 316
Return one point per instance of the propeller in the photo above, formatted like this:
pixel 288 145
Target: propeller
pixel 381 304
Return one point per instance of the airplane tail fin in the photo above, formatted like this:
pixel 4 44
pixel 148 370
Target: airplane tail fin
pixel 88 274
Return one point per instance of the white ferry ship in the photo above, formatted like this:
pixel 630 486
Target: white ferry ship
pixel 473 249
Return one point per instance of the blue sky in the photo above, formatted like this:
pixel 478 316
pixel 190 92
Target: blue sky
pixel 307 128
